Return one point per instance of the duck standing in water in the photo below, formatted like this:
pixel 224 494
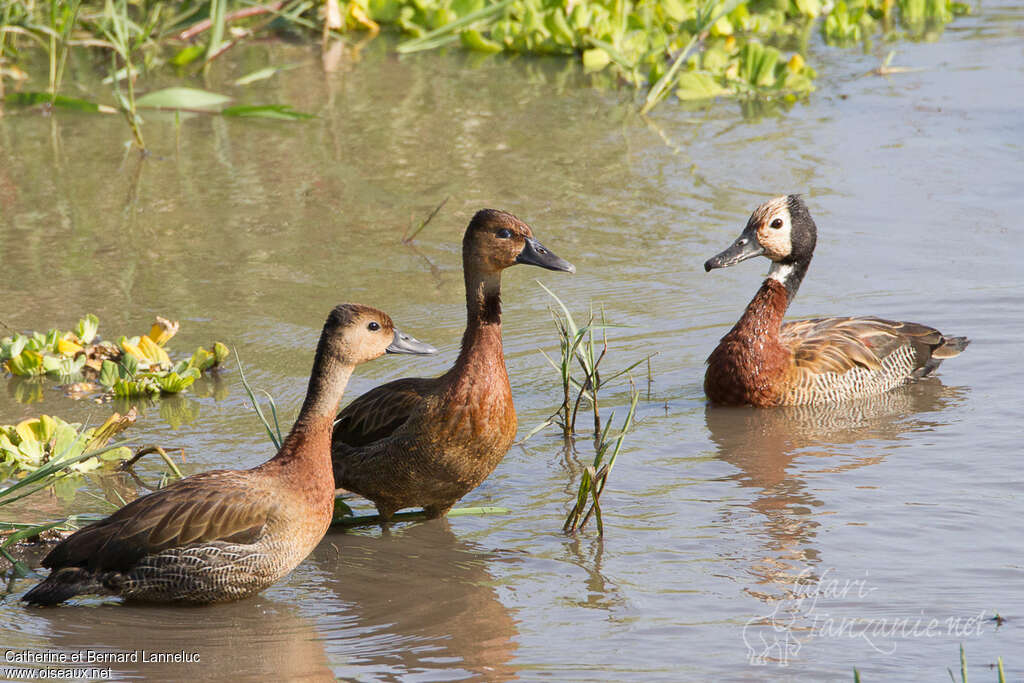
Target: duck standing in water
pixel 428 442
pixel 228 534
pixel 765 362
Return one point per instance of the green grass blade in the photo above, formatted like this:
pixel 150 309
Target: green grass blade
pixel 275 439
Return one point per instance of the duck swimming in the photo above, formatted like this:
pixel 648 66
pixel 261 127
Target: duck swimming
pixel 228 534
pixel 765 362
pixel 427 442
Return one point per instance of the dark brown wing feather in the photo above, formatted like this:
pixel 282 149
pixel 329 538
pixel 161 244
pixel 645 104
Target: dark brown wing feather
pixel 379 412
pixel 841 344
pixel 212 506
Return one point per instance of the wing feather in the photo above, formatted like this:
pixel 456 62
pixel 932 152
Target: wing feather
pixel 840 344
pixel 378 413
pixel 212 506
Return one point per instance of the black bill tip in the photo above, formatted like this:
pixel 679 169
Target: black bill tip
pixel 536 254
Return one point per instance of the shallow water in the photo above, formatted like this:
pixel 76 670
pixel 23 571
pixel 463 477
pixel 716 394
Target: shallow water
pixel 740 544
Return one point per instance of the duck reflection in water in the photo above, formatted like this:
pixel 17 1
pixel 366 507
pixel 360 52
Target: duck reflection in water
pixel 763 443
pixel 261 639
pixel 417 601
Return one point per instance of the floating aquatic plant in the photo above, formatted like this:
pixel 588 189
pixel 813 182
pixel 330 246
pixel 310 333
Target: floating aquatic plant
pixel 48 453
pixel 131 367
pixel 695 49
pixel 50 441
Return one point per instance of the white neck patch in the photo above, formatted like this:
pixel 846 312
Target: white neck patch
pixel 781 272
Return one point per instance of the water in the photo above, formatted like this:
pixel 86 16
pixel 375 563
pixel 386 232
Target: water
pixel 741 544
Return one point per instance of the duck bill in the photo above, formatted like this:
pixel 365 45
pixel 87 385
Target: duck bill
pixel 403 343
pixel 536 254
pixel 745 247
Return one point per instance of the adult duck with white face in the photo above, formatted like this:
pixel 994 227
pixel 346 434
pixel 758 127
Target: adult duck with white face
pixel 426 442
pixel 765 362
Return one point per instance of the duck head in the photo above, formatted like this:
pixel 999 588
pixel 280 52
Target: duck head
pixel 782 230
pixel 496 240
pixel 355 334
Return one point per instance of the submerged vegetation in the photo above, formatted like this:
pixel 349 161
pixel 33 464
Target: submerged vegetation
pixel 695 49
pixel 129 368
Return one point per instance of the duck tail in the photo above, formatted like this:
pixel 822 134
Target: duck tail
pixel 65 583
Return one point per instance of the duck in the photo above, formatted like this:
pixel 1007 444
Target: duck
pixel 224 535
pixel 765 362
pixel 427 442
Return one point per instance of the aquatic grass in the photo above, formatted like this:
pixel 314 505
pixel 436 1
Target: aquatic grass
pixel 595 475
pixel 578 345
pixel 125 38
pixel 410 234
pixel 1001 673
pixel 275 432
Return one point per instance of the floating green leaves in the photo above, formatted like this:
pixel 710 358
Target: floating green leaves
pixel 854 21
pixel 36 442
pixel 133 367
pixel 182 98
pixel 698 49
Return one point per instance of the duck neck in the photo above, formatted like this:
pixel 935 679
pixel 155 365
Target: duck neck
pixel 763 317
pixel 481 343
pixel 309 440
pixel 789 275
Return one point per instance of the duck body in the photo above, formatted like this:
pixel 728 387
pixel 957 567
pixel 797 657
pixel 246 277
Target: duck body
pixel 426 442
pixel 765 362
pixel 459 427
pixel 214 537
pixel 228 534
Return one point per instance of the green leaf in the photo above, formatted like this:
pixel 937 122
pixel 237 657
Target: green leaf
pixel 182 98
pixel 188 55
pixel 29 99
pixel 220 352
pixel 699 85
pixel 129 365
pixel 109 373
pixel 87 328
pixel 281 112
pixel 595 59
pixel 264 74
pixel 26 363
pixel 475 40
pixel 173 383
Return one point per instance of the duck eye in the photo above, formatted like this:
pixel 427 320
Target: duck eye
pixel 373 327
pixel 777 223
pixel 504 233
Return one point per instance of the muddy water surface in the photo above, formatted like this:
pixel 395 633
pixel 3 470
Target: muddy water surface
pixel 741 544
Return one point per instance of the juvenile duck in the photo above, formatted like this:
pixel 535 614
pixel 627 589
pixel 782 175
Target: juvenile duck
pixel 765 362
pixel 228 534
pixel 427 442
